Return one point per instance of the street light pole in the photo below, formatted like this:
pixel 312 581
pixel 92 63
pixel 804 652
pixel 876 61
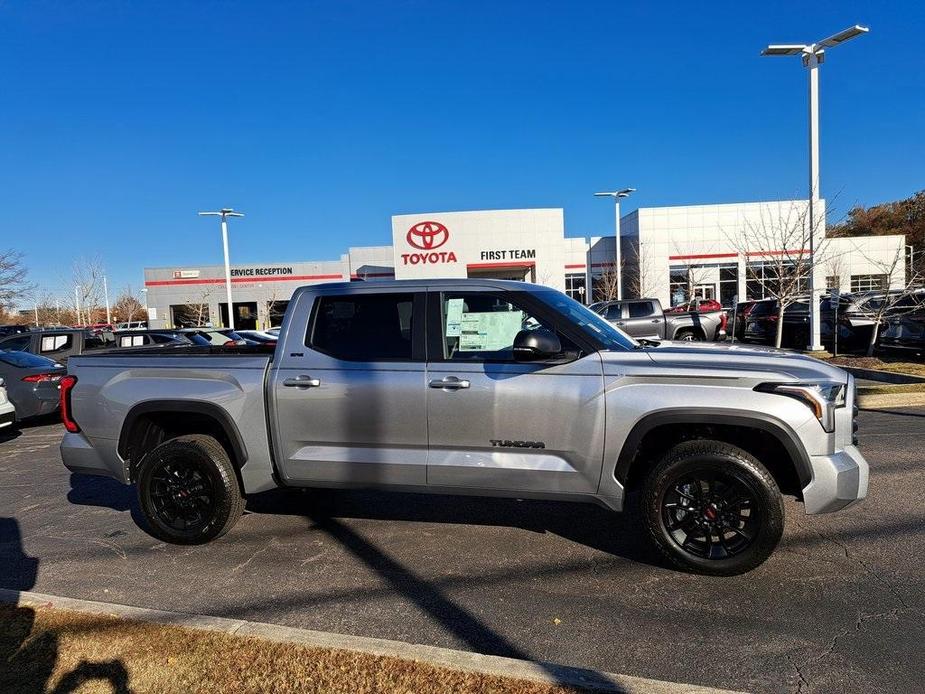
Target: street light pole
pixel 106 295
pixel 813 55
pixel 616 195
pixel 224 213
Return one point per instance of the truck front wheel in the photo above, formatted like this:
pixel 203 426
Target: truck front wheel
pixel 712 508
pixel 188 491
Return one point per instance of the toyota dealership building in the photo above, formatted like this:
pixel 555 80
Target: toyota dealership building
pixel 670 253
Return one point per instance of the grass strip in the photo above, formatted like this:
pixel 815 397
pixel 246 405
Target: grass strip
pixel 44 649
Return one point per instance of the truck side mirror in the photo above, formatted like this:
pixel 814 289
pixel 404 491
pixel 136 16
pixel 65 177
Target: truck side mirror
pixel 535 345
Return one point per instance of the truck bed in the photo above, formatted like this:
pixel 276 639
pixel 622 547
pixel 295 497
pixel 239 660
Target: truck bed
pixel 118 386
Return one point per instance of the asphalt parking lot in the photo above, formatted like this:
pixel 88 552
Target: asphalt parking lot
pixel 839 607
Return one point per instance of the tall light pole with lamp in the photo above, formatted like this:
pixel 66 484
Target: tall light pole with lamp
pixel 224 213
pixel 813 55
pixel 616 195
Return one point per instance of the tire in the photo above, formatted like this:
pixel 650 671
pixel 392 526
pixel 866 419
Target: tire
pixel 711 508
pixel 688 335
pixel 188 491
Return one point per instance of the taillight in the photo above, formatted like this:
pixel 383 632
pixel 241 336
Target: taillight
pixel 67 384
pixel 39 378
pixel 723 320
pixel 230 343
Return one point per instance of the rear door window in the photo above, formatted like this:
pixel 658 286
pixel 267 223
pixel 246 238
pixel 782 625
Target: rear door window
pixel 641 309
pixel 364 327
pixel 53 344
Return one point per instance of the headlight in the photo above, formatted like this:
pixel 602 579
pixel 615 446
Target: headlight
pixel 822 398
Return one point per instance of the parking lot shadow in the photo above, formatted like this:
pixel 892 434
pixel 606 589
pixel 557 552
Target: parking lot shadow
pixel 595 527
pixel 27 659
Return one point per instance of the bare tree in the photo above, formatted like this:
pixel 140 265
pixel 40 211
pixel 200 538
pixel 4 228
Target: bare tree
pixel 13 278
pixel 127 307
pixel 781 260
pixel 87 276
pixel 640 272
pixel 608 283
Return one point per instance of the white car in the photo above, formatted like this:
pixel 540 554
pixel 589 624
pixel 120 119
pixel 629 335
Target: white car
pixel 7 411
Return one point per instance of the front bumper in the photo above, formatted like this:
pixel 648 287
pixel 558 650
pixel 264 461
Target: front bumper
pixel 839 480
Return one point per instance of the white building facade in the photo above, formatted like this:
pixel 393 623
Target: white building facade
pixel 670 253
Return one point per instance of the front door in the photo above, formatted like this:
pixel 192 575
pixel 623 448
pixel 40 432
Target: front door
pixel 495 423
pixel 349 402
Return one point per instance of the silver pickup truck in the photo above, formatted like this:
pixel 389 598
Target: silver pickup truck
pixel 645 319
pixel 482 387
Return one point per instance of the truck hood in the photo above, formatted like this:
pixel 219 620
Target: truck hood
pixel 745 360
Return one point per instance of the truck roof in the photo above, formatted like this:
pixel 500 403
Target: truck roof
pixel 435 283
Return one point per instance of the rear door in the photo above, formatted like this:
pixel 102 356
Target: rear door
pixel 349 390
pixel 640 319
pixel 495 423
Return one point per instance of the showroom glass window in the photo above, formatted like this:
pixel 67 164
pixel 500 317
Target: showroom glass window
pixel 364 327
pixel 868 283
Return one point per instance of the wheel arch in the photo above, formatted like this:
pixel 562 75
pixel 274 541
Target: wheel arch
pixel 152 422
pixel 758 433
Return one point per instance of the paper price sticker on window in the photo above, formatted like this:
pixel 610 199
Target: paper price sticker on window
pixel 489 332
pixel 454 312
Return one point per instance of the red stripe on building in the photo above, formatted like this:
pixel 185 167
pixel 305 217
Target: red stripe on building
pixel 703 256
pixel 242 280
pixel 579 266
pixel 372 274
pixel 470 266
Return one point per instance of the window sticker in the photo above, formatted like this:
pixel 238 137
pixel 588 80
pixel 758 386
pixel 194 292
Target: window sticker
pixel 489 332
pixel 454 314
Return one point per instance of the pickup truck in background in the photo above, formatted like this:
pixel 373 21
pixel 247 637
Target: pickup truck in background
pixel 645 319
pixel 59 344
pixel 480 387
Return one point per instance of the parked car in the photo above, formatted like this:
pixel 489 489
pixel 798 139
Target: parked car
pixel 31 382
pixel 481 387
pixel 905 332
pixel 696 306
pixel 644 318
pixel 56 344
pixel 7 411
pixel 132 325
pixel 259 336
pixel 139 337
pixel 220 337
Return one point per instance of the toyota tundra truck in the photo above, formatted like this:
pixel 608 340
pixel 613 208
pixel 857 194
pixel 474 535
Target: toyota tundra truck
pixel 480 387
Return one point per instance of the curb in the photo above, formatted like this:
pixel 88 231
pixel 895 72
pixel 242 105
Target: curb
pixel 509 668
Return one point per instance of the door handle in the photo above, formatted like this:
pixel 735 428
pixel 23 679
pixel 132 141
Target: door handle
pixel 302 382
pixel 449 383
pixel 656 320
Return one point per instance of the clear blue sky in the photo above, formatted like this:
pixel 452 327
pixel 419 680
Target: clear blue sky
pixel 118 121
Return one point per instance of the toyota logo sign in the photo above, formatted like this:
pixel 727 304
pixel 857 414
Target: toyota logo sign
pixel 427 236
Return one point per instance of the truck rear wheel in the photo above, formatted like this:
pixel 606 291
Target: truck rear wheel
pixel 188 491
pixel 688 335
pixel 712 508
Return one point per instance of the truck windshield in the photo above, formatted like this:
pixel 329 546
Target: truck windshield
pixel 610 336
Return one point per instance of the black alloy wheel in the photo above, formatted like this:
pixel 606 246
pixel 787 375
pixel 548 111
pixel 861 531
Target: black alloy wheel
pixel 188 490
pixel 711 514
pixel 712 508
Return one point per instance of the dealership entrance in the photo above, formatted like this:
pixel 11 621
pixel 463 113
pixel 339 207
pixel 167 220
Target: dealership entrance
pixel 524 272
